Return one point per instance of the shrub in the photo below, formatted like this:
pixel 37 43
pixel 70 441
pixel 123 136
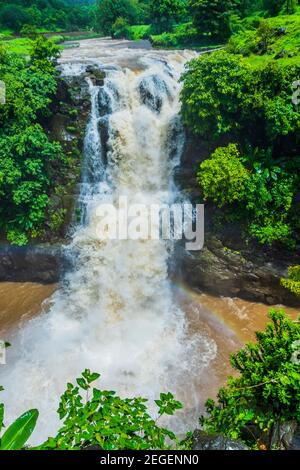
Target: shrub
pixel 292 283
pixel 223 177
pixel 267 392
pixel 120 29
pixel 109 422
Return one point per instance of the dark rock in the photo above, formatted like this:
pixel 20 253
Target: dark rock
pixel 286 436
pixel 280 31
pixel 43 264
pixel 280 55
pixel 295 444
pixel 203 441
pixel 152 91
pixel 220 271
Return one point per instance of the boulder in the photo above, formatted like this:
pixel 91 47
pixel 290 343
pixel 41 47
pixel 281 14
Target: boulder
pixel 43 264
pixel 203 441
pixel 219 270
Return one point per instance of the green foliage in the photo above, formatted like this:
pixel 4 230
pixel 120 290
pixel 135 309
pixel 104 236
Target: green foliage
pixel 26 154
pixel 18 433
pixel 45 14
pixel 263 197
pixel 267 392
pixel 137 32
pixel 274 7
pixel 223 177
pixel 215 87
pixel 29 31
pixel 105 420
pixel 292 283
pixel 277 37
pixel 212 17
pixel 222 93
pixel 163 13
pixel 224 96
pixel 120 28
pixel 108 12
pixel 183 35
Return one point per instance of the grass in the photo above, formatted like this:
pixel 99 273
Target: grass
pixel 17 46
pixel 246 42
pixel 87 35
pixel 6 33
pixel 22 45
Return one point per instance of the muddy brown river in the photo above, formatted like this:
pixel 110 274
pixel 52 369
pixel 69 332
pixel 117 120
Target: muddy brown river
pixel 229 322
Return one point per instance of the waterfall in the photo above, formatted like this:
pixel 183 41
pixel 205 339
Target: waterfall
pixel 114 312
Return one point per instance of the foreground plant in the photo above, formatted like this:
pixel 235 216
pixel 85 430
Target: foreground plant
pixel 103 420
pixel 18 433
pixel 267 393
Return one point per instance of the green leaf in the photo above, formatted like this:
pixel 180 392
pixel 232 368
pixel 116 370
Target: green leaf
pixel 1 415
pixel 19 432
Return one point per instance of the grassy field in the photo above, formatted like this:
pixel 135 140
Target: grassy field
pixel 282 34
pixel 19 45
pixel 22 45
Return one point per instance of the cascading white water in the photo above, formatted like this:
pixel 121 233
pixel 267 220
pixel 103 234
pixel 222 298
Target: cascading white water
pixel 115 312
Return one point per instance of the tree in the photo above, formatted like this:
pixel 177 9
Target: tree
pixel 212 17
pixel 120 29
pixel 163 13
pixel 267 392
pixel 26 154
pixel 108 11
pixel 29 31
pixel 14 17
pixel 273 6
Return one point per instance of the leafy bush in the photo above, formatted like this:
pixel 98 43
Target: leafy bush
pixel 212 17
pixel 183 35
pixel 137 32
pixel 267 392
pixel 105 420
pixel 292 283
pixel 120 28
pixel 214 89
pixel 45 14
pixel 263 197
pixel 273 36
pixel 223 177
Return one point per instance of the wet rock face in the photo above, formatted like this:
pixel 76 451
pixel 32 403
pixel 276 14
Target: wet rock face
pixel 153 91
pixel 42 264
pixel 221 271
pixel 203 441
pixel 96 76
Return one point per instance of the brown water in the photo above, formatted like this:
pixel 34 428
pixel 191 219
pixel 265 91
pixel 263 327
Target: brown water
pixel 229 322
pixel 19 302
